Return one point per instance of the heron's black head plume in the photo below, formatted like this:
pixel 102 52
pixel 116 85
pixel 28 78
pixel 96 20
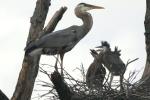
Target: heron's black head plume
pixel 82 3
pixel 105 43
pixel 117 51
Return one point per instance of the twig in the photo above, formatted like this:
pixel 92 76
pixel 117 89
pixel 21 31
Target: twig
pixel 128 62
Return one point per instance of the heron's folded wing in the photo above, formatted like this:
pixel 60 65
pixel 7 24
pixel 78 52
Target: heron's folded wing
pixel 58 39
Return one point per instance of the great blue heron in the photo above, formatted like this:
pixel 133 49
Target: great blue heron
pixel 64 40
pixel 96 72
pixel 113 62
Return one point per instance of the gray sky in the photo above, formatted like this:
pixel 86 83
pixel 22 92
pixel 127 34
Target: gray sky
pixel 121 24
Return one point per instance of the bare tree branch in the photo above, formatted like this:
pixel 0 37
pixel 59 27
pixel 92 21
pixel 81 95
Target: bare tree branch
pixel 129 62
pixel 29 69
pixel 30 65
pixel 147 42
pixel 54 20
pixel 61 87
pixel 3 96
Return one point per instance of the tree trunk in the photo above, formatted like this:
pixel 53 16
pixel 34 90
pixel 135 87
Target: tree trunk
pixel 63 89
pixel 146 74
pixel 30 65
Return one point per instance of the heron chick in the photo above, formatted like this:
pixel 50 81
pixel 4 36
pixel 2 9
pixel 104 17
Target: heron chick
pixel 113 62
pixel 96 72
pixel 62 41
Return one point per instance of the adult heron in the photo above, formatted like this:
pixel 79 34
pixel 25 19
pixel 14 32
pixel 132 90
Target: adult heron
pixel 62 41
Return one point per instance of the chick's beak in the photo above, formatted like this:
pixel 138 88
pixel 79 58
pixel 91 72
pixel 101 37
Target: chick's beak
pixel 99 47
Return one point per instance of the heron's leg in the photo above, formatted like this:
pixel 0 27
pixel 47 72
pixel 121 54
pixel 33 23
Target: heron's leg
pixel 61 65
pixel 56 68
pixel 111 78
pixel 121 82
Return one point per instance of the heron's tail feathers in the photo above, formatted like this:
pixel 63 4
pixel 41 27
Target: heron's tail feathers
pixel 29 48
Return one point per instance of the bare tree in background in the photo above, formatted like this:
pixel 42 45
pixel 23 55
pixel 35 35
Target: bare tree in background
pixel 146 74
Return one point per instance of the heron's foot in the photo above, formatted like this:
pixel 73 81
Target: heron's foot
pixel 56 67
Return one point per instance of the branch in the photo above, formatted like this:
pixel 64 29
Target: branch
pixel 38 19
pixel 53 21
pixel 30 65
pixel 129 62
pixel 3 96
pixel 61 87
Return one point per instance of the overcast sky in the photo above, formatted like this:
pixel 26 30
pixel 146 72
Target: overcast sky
pixel 121 23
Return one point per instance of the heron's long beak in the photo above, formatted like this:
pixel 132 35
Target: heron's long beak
pixel 93 51
pixel 99 47
pixel 94 7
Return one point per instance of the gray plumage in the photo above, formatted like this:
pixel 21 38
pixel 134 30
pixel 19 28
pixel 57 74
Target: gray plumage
pixel 56 41
pixel 96 72
pixel 64 40
pixel 113 62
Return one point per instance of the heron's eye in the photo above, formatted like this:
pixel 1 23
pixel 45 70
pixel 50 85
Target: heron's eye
pixel 74 31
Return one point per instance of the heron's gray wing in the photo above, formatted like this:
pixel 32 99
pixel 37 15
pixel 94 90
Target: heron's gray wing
pixel 113 59
pixel 113 63
pixel 59 38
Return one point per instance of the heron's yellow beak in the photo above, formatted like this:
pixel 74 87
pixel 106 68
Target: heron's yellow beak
pixel 90 7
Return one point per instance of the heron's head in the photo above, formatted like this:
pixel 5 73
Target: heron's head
pixel 93 53
pixel 86 7
pixel 105 46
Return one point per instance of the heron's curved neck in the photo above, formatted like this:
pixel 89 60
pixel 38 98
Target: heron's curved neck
pixel 87 20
